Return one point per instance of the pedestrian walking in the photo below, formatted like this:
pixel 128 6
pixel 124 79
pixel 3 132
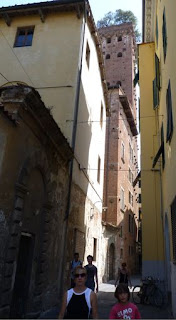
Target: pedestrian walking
pixel 123 275
pixel 79 301
pixel 92 274
pixel 73 264
pixel 124 309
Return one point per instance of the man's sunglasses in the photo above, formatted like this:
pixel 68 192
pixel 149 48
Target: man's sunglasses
pixel 82 275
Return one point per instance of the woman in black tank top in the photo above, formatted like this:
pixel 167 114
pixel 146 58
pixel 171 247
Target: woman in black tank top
pixel 79 301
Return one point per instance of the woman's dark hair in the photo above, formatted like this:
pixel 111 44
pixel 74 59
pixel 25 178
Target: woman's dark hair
pixel 121 288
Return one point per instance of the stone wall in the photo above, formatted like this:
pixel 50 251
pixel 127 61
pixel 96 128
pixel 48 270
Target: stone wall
pixel 33 192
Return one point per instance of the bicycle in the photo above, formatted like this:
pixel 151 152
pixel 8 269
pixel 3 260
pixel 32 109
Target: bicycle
pixel 148 293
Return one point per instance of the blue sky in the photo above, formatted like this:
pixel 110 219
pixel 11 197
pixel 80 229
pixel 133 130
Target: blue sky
pixel 99 7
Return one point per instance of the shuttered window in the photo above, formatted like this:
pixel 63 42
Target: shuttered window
pixel 157 71
pixel 169 113
pixel 157 31
pixel 156 83
pixel 164 33
pixel 155 94
pixel 173 224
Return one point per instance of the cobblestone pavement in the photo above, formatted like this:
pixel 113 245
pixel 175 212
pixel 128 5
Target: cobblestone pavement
pixel 106 300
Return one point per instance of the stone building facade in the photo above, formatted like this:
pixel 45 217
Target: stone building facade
pixel 121 160
pixel 61 58
pixel 33 190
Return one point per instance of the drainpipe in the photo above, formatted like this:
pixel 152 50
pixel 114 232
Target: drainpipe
pixel 75 119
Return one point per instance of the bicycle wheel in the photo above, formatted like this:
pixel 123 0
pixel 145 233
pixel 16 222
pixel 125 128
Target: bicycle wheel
pixel 136 294
pixel 158 298
pixel 149 294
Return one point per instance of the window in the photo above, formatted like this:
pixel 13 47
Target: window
pixel 156 83
pixel 169 113
pixel 130 176
pixel 157 71
pixel 108 40
pixel 155 94
pixel 87 54
pixel 119 54
pixel 94 249
pixel 130 198
pixel 24 37
pixel 123 152
pixel 157 30
pixel 173 225
pixel 130 153
pixel 140 198
pixel 121 253
pixel 120 38
pixel 108 56
pixel 164 33
pixel 122 199
pixel 98 171
pixel 101 116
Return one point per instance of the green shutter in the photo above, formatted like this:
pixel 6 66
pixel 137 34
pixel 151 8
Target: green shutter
pixel 169 113
pixel 155 94
pixel 164 32
pixel 157 71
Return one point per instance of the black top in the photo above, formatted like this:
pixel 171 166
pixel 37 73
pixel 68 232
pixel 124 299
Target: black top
pixel 91 272
pixel 77 307
pixel 123 278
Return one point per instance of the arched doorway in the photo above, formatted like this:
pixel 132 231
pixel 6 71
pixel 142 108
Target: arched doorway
pixel 28 261
pixel 111 262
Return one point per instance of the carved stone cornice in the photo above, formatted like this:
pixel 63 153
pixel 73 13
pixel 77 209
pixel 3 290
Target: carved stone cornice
pixel 148 20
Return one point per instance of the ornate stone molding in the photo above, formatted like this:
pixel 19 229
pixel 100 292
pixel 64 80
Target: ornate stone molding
pixel 148 20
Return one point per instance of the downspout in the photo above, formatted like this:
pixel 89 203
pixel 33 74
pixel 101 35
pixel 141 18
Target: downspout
pixel 75 119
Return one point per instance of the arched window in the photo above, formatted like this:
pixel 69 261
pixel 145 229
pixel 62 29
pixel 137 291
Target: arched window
pixel 120 38
pixel 108 40
pixel 108 56
pixel 119 54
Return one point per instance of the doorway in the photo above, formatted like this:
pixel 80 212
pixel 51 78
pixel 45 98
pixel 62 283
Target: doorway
pixel 22 277
pixel 111 261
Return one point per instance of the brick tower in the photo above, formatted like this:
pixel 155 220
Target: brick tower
pixel 120 197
